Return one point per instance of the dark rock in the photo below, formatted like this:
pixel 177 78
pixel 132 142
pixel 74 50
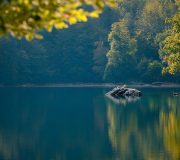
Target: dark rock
pixel 123 91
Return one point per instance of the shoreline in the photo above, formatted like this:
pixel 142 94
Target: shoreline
pixel 92 85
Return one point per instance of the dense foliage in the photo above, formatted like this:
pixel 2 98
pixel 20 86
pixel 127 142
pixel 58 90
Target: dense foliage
pixel 138 36
pixel 75 54
pixel 134 42
pixel 170 46
pixel 21 18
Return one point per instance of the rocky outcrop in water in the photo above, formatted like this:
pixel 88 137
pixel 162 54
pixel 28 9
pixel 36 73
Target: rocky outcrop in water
pixel 123 92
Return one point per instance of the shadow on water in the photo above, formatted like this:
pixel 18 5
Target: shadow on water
pixel 81 123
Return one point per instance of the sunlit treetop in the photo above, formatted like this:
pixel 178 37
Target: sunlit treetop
pixel 25 18
pixel 170 47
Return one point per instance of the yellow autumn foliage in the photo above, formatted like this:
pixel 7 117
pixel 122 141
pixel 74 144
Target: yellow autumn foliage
pixel 25 18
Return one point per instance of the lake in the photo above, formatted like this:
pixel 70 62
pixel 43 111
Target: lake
pixel 83 124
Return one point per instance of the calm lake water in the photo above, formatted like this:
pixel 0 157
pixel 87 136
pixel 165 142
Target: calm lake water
pixel 82 124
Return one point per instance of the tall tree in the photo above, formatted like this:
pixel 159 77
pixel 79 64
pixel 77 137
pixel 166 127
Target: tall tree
pixel 121 54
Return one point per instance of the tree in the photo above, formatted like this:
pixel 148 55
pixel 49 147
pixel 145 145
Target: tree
pixel 73 55
pixel 145 19
pixel 121 53
pixel 24 18
pixel 170 46
pixel 99 58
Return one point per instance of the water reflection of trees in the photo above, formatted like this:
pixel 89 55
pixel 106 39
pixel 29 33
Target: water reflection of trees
pixel 149 129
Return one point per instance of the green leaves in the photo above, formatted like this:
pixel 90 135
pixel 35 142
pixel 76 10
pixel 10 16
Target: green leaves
pixel 135 38
pixel 25 18
pixel 170 47
pixel 121 54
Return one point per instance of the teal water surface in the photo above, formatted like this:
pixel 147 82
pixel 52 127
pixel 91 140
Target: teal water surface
pixel 82 124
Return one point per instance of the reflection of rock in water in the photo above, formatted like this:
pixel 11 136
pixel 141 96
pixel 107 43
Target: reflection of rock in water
pixel 124 100
pixel 131 99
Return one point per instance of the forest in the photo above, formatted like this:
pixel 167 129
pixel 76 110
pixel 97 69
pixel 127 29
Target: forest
pixel 130 43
